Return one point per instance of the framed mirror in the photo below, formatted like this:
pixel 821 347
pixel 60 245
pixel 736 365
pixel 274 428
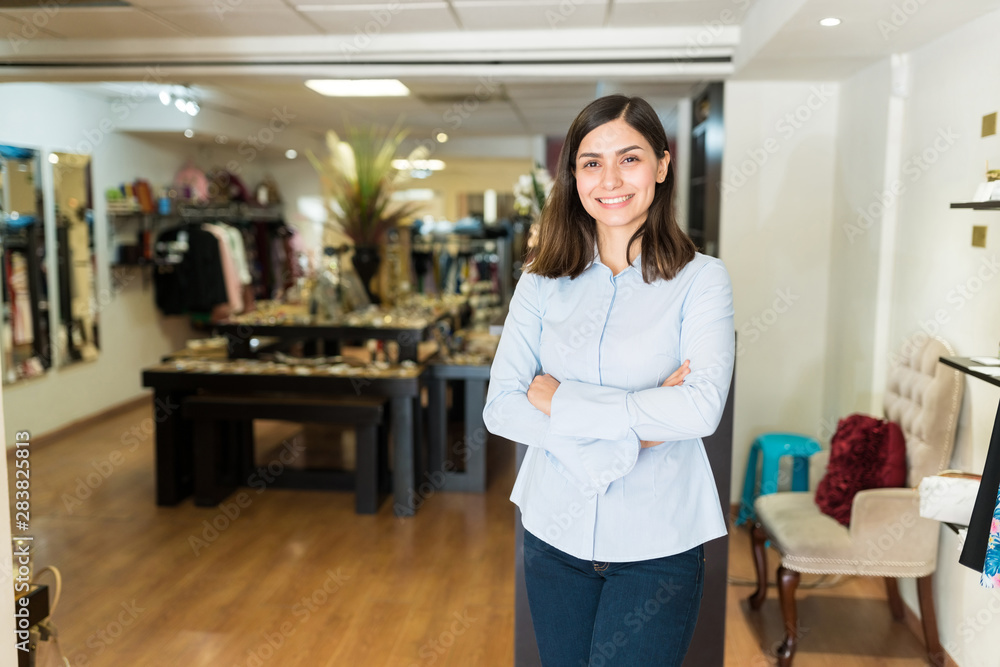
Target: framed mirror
pixel 25 349
pixel 76 334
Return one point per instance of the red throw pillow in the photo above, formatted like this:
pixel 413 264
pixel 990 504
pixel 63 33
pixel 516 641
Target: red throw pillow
pixel 865 453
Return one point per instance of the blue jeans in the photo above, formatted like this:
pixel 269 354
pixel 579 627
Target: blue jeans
pixel 590 614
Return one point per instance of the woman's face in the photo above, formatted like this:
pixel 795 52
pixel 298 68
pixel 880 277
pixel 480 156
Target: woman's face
pixel 616 174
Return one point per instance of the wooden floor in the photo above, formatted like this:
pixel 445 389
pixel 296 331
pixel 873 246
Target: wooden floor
pixel 296 578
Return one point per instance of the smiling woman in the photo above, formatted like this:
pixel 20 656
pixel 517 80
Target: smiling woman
pixel 615 491
pixel 616 170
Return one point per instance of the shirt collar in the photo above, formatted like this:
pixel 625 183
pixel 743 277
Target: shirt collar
pixel 636 263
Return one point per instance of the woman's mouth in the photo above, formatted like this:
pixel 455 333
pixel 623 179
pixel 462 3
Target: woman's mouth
pixel 608 201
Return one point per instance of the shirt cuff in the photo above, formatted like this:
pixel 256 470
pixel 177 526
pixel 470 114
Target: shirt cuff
pixel 607 461
pixel 589 411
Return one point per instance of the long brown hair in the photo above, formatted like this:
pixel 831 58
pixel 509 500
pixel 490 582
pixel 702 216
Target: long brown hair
pixel 567 233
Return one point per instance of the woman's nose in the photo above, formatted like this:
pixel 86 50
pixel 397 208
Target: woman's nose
pixel 611 179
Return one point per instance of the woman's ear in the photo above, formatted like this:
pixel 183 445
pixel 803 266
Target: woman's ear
pixel 662 166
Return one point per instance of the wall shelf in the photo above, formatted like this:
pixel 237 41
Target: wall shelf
pixel 979 205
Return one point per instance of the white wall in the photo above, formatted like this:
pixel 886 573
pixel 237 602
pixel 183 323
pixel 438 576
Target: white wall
pixel 855 244
pixel 776 224
pixel 912 124
pixel 133 334
pixel 935 262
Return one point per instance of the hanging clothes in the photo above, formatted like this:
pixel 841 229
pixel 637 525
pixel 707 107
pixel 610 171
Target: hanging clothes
pixel 991 565
pixel 238 249
pixel 20 301
pixel 189 276
pixel 234 288
pixel 981 522
pixel 262 244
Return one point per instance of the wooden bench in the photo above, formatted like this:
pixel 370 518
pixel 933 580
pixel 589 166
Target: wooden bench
pixel 223 444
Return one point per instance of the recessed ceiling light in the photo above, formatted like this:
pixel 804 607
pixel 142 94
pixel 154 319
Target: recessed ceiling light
pixel 829 22
pixel 291 154
pixel 420 165
pixel 359 87
pixel 189 133
pixel 441 137
pixel 53 158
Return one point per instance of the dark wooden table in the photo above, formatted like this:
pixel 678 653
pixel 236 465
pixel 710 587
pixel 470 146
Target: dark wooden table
pixel 475 378
pixel 240 334
pixel 174 436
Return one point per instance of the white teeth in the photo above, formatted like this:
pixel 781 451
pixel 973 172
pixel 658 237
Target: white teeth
pixel 616 200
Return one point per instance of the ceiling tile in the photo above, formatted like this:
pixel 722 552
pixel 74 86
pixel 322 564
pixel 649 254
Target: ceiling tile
pixel 101 23
pixel 243 21
pixel 633 13
pixel 353 20
pixel 220 6
pixel 530 14
pixel 16 28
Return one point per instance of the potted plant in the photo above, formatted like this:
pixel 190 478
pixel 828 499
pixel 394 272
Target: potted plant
pixel 358 180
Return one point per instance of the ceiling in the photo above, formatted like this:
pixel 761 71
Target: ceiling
pixel 475 67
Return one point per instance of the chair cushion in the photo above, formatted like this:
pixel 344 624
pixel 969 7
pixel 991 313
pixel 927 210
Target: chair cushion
pixel 802 533
pixel 865 453
pixel 887 538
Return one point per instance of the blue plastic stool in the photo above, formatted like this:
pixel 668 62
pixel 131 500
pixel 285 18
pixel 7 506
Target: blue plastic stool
pixel 774 446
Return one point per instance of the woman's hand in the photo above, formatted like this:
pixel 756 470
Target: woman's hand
pixel 540 392
pixel 676 378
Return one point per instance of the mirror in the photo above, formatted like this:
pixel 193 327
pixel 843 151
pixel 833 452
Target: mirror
pixel 76 332
pixel 24 330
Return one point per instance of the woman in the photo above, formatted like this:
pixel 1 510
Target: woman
pixel 616 492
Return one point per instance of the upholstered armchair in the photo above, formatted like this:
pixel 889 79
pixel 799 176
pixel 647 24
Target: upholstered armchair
pixel 886 537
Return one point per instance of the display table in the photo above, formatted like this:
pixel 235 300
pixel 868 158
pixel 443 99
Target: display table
pixel 475 377
pixel 173 381
pixel 406 330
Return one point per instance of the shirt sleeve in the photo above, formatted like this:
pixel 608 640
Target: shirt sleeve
pixel 592 464
pixel 691 410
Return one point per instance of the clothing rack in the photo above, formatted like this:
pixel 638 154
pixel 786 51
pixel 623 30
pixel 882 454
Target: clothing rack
pixel 29 240
pixel 443 262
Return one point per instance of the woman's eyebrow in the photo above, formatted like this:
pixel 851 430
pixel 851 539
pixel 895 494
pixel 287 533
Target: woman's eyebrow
pixel 620 151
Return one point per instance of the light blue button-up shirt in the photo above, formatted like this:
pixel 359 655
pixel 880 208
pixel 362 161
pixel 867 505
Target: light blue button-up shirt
pixel 586 486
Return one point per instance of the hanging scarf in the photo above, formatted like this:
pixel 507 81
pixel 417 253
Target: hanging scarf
pixel 991 567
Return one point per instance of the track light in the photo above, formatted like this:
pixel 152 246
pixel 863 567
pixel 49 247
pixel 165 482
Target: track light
pixel 182 98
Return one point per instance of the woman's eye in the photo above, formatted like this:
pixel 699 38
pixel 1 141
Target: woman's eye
pixel 590 164
pixel 631 158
